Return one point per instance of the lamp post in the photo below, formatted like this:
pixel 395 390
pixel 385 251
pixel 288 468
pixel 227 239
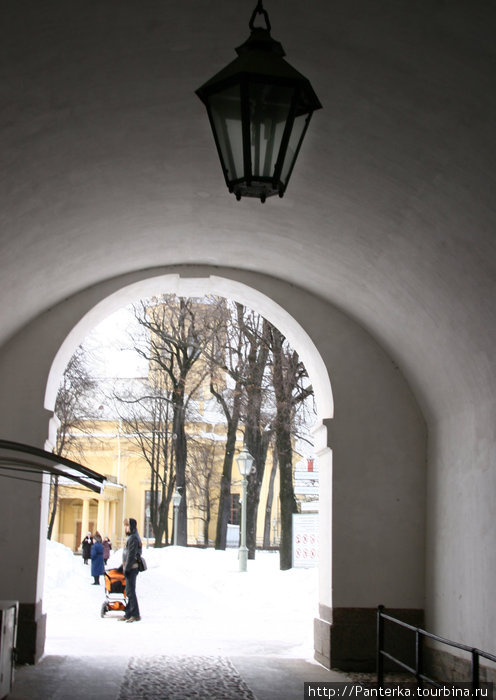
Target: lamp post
pixel 176 500
pixel 259 109
pixel 147 523
pixel 245 463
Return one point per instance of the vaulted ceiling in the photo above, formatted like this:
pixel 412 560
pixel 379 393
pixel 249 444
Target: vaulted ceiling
pixel 109 166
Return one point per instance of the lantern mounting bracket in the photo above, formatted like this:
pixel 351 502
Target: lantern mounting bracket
pixel 259 10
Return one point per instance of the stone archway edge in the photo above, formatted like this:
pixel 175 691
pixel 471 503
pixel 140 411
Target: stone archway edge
pixel 377 444
pixel 195 283
pixel 287 308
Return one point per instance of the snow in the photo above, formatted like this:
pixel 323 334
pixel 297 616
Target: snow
pixel 192 601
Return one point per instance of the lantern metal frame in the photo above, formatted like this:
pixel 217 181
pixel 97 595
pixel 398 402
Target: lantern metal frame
pixel 258 85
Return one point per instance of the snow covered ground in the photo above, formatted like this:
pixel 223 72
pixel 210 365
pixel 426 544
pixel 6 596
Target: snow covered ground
pixel 192 601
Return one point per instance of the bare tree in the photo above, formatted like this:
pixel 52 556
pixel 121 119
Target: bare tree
pixel 257 380
pixel 71 409
pixel 229 396
pixel 145 412
pixel 290 390
pixel 270 499
pixel 203 479
pixel 179 330
pixel 243 401
pixel 256 418
pixel 230 401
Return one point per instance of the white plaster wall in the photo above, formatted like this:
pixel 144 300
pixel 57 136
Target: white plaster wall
pixel 22 551
pixel 389 215
pixel 378 441
pixel 377 435
pixel 461 525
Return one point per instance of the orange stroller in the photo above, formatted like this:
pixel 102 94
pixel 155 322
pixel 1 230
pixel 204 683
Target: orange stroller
pixel 115 591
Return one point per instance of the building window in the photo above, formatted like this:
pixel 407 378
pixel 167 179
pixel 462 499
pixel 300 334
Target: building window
pixel 234 517
pixel 147 528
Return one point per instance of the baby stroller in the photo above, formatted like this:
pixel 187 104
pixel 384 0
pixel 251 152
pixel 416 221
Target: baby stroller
pixel 115 591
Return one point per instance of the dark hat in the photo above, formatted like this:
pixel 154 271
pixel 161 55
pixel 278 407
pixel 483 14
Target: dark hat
pixel 132 524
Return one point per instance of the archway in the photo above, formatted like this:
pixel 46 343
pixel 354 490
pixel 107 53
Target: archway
pixel 191 286
pixel 377 488
pixel 279 317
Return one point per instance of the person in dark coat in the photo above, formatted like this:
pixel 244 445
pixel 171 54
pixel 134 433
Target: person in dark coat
pixel 97 563
pixel 107 546
pixel 130 556
pixel 86 545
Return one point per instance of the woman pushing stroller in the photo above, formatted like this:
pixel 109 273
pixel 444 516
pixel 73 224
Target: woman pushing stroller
pixel 132 552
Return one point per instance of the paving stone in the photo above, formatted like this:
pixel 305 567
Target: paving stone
pixel 182 678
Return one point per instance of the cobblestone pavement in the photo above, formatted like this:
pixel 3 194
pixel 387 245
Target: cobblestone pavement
pixel 183 677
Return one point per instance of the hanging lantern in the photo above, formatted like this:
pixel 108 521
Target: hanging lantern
pixel 259 108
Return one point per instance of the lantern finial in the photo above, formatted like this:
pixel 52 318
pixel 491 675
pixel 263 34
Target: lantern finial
pixel 259 10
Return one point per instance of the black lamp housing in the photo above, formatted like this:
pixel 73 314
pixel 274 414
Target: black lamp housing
pixel 259 109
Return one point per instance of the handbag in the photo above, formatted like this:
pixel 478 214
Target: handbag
pixel 141 563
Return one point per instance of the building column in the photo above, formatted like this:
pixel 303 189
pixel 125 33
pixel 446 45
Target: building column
pixel 323 623
pixel 112 520
pixel 106 528
pixel 100 518
pixel 85 519
pixel 23 523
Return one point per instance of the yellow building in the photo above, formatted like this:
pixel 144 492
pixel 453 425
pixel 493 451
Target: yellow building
pixel 110 451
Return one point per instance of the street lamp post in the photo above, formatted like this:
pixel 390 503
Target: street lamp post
pixel 245 463
pixel 176 500
pixel 147 524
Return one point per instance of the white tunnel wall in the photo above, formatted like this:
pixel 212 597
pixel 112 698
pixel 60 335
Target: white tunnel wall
pixel 461 551
pixel 377 439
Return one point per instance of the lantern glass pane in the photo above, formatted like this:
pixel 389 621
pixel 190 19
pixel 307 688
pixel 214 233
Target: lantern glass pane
pixel 226 115
pixel 297 133
pixel 269 109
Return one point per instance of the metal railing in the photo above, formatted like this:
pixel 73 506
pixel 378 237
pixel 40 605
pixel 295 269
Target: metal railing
pixel 420 635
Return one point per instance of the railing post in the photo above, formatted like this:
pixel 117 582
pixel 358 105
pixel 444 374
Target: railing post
pixel 419 654
pixel 380 645
pixel 475 670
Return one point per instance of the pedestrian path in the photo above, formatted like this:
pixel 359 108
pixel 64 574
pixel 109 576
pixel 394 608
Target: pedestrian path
pixel 168 678
pixel 182 677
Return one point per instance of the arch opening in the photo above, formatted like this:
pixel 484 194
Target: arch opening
pixel 274 313
pixel 194 286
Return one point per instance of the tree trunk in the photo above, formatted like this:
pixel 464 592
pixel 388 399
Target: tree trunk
pixel 180 451
pixel 224 511
pixel 256 444
pixel 256 439
pixel 270 498
pixel 55 500
pixel 207 513
pixel 284 383
pixel 288 501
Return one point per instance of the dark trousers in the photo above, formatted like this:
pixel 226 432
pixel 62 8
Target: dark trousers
pixel 132 607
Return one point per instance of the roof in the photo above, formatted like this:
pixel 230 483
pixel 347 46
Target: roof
pixel 34 459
